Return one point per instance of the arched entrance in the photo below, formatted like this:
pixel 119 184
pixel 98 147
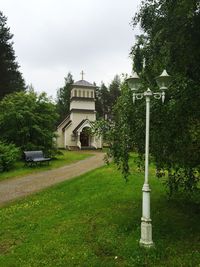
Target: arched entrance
pixel 85 137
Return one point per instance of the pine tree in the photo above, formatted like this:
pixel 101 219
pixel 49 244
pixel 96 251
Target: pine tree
pixel 63 97
pixel 10 77
pixel 114 90
pixel 102 101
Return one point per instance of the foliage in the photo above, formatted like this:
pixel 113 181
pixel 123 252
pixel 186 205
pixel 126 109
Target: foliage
pixel 114 90
pixel 63 98
pixel 118 131
pixel 94 220
pixel 106 98
pixel 28 121
pixel 8 156
pixel 171 32
pixel 102 104
pixel 10 78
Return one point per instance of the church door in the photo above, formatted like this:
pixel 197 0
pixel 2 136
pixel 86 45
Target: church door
pixel 84 137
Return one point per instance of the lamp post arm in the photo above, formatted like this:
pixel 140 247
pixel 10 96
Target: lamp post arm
pixel 159 95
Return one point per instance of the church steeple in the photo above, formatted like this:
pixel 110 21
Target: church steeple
pixel 83 89
pixel 82 96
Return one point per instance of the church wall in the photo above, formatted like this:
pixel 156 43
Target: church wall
pixel 98 142
pixel 82 105
pixel 65 139
pixel 78 117
pixel 60 138
pixel 69 140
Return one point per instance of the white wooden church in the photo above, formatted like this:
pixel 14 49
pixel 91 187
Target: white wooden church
pixel 73 130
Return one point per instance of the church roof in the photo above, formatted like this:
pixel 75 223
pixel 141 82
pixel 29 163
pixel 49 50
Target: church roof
pixel 66 119
pixel 68 123
pixel 79 125
pixel 83 83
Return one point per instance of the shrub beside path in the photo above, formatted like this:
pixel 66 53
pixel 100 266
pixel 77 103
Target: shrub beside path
pixel 23 186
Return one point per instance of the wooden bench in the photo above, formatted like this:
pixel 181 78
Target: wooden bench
pixel 34 157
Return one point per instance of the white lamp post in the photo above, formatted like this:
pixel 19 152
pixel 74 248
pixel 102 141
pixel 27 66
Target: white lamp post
pixel 134 83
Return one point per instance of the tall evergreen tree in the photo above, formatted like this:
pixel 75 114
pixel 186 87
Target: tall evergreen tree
pixel 63 97
pixel 10 77
pixel 102 101
pixel 114 90
pixel 106 98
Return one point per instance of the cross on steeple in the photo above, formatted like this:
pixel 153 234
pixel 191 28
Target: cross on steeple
pixel 82 73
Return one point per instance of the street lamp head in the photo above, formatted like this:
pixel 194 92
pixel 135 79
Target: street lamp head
pixel 163 80
pixel 133 82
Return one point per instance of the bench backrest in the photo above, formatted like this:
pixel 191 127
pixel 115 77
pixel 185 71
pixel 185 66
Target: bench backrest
pixel 30 155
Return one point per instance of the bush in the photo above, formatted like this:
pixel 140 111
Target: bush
pixel 9 153
pixel 28 120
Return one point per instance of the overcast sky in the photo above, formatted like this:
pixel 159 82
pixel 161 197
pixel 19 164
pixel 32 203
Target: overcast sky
pixel 53 37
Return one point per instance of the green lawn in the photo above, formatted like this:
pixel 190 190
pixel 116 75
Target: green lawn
pixel 67 157
pixel 94 220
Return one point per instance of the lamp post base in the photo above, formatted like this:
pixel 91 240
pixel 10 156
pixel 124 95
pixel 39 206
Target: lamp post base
pixel 146 233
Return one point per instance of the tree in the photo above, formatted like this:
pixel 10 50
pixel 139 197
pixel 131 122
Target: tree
pixel 28 121
pixel 172 32
pixel 107 97
pixel 8 156
pixel 114 90
pixel 10 77
pixel 171 40
pixel 63 98
pixel 102 101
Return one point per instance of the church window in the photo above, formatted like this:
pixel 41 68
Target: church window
pixel 79 93
pixel 88 94
pixel 75 93
pixel 92 95
pixel 83 93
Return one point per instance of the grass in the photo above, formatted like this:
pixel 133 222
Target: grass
pixel 94 220
pixel 67 157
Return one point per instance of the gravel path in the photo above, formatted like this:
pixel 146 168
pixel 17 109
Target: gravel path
pixel 17 188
